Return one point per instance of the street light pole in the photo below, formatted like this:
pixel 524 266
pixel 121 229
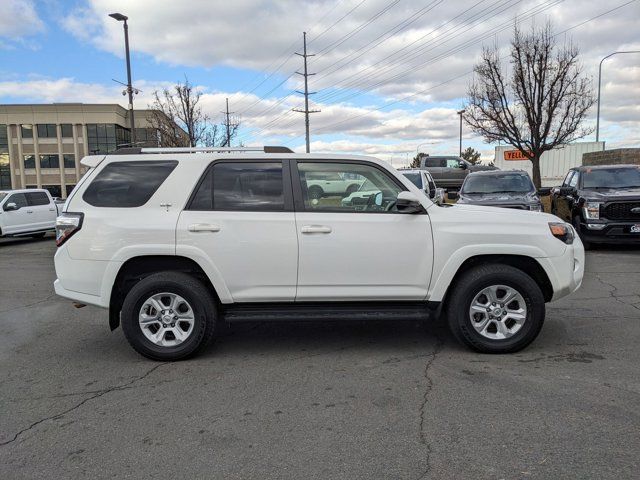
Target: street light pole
pixel 599 83
pixel 460 112
pixel 123 18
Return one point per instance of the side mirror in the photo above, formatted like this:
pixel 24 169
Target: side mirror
pixel 544 191
pixel 453 195
pixel 408 202
pixel 10 206
pixel 438 196
pixel 462 165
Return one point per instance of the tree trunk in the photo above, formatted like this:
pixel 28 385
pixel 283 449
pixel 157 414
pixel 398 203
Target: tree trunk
pixel 535 161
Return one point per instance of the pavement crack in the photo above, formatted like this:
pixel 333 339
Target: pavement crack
pixel 29 304
pixel 613 293
pixel 98 394
pixel 425 400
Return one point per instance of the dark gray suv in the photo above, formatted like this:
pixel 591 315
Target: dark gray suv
pixel 450 172
pixel 508 189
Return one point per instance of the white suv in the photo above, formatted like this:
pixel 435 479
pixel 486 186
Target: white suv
pixel 175 241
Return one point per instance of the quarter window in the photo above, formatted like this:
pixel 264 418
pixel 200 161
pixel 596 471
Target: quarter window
pixel 237 186
pixel 361 188
pixel 127 184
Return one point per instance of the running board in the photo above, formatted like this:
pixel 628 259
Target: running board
pixel 339 311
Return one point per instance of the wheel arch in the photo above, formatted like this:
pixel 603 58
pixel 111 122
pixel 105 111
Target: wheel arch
pixel 136 268
pixel 528 265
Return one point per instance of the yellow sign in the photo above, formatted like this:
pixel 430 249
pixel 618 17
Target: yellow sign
pixel 514 155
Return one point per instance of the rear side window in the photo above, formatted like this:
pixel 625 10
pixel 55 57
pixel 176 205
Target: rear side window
pixel 237 186
pixel 38 198
pixel 127 184
pixel 434 162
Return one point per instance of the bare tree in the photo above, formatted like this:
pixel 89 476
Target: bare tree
pixel 415 162
pixel 178 117
pixel 471 155
pixel 535 104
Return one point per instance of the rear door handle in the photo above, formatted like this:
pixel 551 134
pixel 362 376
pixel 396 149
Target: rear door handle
pixel 316 229
pixel 204 227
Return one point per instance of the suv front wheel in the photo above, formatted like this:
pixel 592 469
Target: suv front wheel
pixel 168 316
pixel 496 309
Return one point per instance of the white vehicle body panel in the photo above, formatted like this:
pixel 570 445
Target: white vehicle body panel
pixel 29 218
pixel 265 257
pixel 346 261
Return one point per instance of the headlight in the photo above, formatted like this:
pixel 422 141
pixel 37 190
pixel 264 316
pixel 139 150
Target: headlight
pixel 591 210
pixel 536 207
pixel 562 231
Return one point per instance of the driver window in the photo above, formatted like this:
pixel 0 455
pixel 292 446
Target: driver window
pixel 453 163
pixel 567 179
pixel 357 188
pixel 19 199
pixel 574 180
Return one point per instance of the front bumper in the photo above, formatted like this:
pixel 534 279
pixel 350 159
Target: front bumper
pixel 566 271
pixel 612 232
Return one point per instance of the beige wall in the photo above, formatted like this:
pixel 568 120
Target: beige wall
pixel 78 115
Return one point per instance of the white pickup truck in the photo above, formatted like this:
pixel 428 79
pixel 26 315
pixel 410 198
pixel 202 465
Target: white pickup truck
pixel 29 213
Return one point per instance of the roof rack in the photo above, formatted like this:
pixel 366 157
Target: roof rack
pixel 139 150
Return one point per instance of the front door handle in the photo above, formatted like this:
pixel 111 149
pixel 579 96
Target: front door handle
pixel 316 229
pixel 204 227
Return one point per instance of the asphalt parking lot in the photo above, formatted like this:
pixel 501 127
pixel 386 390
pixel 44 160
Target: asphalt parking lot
pixel 319 400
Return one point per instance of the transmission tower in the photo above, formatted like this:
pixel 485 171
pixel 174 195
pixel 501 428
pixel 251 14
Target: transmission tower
pixel 306 92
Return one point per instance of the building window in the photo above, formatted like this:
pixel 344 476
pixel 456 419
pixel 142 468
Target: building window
pixel 5 172
pixel 105 138
pixel 49 161
pixel 147 137
pixel 69 189
pixel 29 161
pixel 69 160
pixel 54 190
pixel 67 130
pixel 27 131
pixel 47 130
pixel 4 142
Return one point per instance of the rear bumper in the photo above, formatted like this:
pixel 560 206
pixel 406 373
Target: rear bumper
pixel 79 296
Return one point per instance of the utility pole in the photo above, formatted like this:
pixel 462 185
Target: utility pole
pixel 460 112
pixel 306 92
pixel 228 124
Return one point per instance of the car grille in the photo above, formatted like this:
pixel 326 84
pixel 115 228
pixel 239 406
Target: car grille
pixel 621 211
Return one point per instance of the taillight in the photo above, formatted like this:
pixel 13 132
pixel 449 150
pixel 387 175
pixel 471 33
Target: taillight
pixel 66 225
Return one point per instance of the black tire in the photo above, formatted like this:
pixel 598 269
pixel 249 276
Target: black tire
pixel 188 287
pixel 576 224
pixel 315 193
pixel 480 277
pixel 38 235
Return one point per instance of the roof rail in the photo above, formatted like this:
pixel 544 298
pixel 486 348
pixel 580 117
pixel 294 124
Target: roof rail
pixel 138 150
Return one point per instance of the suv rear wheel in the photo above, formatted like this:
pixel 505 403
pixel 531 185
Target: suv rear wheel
pixel 496 309
pixel 168 316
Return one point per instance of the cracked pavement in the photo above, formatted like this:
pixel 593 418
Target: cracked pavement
pixel 319 400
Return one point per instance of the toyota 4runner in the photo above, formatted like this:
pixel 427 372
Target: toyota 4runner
pixel 175 241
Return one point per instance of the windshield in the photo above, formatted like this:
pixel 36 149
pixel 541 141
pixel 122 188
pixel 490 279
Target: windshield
pixel 3 195
pixel 611 178
pixel 509 183
pixel 414 178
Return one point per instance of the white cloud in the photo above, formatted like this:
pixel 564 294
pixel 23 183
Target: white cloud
pixel 19 19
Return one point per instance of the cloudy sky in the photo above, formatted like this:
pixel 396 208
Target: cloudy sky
pixel 390 74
